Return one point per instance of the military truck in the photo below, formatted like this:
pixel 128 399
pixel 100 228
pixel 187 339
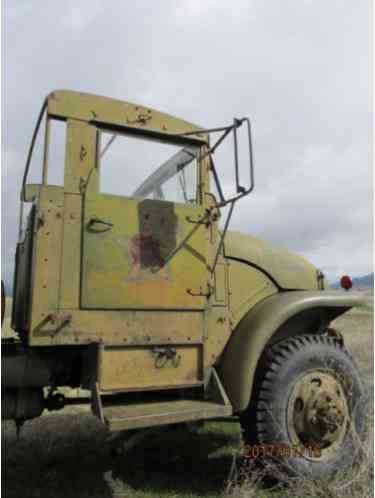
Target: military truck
pixel 143 298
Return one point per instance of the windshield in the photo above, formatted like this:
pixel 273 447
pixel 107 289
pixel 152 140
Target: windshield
pixel 171 172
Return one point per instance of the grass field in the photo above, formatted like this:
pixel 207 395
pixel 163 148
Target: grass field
pixel 66 455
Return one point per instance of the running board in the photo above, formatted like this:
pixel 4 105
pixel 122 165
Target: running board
pixel 118 417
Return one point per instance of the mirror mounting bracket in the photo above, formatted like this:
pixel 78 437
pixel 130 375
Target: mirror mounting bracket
pixel 241 191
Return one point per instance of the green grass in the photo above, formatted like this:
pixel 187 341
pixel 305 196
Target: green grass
pixel 65 455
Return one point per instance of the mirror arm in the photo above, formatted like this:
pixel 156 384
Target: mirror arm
pixel 27 167
pixel 241 191
pixel 217 182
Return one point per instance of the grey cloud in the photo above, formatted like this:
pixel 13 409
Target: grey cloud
pixel 300 69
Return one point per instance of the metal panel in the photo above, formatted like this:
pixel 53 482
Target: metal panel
pixel 134 255
pixel 221 284
pixel 47 256
pixel 80 158
pixel 123 369
pixel 22 278
pixel 119 418
pixel 71 252
pixel 122 327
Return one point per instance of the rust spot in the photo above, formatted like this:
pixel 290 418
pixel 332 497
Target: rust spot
pixel 145 252
pixel 82 153
pixel 156 238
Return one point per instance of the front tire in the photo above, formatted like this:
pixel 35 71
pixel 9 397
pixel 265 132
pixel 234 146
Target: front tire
pixel 308 407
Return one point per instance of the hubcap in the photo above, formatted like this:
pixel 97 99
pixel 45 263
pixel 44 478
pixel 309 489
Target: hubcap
pixel 317 414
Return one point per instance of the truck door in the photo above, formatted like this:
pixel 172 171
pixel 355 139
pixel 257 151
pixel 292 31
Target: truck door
pixel 146 249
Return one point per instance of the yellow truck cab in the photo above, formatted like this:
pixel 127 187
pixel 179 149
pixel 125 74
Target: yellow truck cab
pixel 141 295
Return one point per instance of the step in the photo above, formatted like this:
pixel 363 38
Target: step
pixel 118 416
pixel 140 415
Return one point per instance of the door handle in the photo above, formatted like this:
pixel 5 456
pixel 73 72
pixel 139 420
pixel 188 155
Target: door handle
pixel 107 225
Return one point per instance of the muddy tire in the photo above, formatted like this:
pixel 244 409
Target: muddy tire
pixel 308 408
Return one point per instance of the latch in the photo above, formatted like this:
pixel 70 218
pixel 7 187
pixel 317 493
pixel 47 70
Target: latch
pixel 206 294
pixel 164 354
pixel 95 225
pixel 201 219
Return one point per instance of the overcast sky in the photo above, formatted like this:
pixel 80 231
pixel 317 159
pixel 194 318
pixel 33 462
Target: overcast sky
pixel 301 69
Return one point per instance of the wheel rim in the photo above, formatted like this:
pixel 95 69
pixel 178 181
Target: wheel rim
pixel 318 414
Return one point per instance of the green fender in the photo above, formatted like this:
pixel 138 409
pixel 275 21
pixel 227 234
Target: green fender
pixel 256 329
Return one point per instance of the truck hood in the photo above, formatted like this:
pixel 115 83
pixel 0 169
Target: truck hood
pixel 288 270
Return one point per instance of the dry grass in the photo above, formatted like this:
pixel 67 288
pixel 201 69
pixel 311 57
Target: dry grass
pixel 66 456
pixel 251 481
pixel 358 484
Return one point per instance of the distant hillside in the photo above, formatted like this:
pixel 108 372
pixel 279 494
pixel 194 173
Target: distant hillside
pixel 361 282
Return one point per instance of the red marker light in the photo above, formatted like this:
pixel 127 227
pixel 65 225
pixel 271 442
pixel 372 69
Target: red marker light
pixel 346 282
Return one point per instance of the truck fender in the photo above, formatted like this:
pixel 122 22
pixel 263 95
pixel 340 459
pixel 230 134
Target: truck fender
pixel 264 322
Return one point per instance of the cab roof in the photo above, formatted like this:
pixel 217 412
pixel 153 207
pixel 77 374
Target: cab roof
pixel 117 114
